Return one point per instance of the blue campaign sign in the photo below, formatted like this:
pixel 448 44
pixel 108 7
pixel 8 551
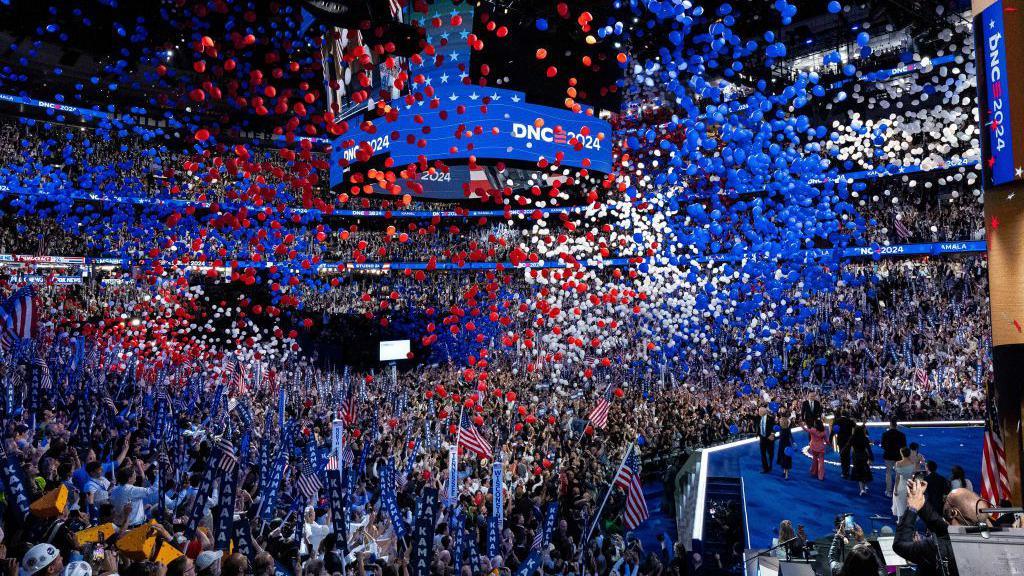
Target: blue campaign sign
pixel 997 35
pixel 461 126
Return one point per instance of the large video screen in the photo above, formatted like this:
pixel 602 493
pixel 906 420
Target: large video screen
pixel 510 129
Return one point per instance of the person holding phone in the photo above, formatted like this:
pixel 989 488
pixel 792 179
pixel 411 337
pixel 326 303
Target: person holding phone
pixel 850 553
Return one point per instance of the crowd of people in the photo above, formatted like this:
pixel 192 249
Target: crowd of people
pixel 894 362
pixel 157 427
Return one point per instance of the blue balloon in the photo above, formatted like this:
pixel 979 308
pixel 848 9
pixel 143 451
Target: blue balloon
pixel 733 429
pixel 542 24
pixel 834 7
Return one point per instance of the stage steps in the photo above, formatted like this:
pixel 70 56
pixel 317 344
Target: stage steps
pixel 725 521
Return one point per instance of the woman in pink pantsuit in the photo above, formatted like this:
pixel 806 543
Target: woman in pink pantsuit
pixel 819 439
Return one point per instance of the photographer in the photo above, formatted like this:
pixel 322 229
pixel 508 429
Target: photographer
pixel 850 553
pixel 933 554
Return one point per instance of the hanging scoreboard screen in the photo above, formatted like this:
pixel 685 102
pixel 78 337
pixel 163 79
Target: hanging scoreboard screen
pixel 507 128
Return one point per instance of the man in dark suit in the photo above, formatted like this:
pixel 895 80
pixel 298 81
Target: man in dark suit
pixel 938 486
pixel 765 425
pixel 811 409
pixel 844 432
pixel 892 440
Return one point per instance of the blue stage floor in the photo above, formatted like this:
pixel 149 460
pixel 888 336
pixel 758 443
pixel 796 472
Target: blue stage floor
pixel 661 520
pixel 813 503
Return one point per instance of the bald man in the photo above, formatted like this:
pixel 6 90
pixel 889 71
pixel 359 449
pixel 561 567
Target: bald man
pixel 934 554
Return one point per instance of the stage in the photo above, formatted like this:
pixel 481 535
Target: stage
pixel 768 499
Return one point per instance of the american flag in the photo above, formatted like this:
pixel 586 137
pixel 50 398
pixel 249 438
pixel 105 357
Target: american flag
pixel 237 374
pixel 922 377
pixel 19 317
pixel 309 483
pixel 469 437
pixel 348 408
pixel 994 483
pixel 901 230
pixel 45 381
pixel 396 9
pixel 538 538
pixel 628 479
pixel 227 461
pixel 599 415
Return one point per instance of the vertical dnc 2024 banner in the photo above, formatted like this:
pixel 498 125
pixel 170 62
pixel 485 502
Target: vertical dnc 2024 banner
pixel 999 43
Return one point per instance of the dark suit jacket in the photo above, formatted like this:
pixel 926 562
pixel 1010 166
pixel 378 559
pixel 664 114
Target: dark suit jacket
pixel 892 441
pixel 810 413
pixel 938 487
pixel 846 425
pixel 769 427
pixel 926 551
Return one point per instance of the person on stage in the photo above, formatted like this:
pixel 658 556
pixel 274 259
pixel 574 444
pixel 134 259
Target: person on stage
pixel 860 445
pixel 893 442
pixel 843 426
pixel 819 440
pixel 904 469
pixel 766 435
pixel 785 448
pixel 811 409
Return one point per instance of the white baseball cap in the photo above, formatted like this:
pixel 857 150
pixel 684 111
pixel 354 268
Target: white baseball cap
pixel 78 568
pixel 207 558
pixel 38 557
